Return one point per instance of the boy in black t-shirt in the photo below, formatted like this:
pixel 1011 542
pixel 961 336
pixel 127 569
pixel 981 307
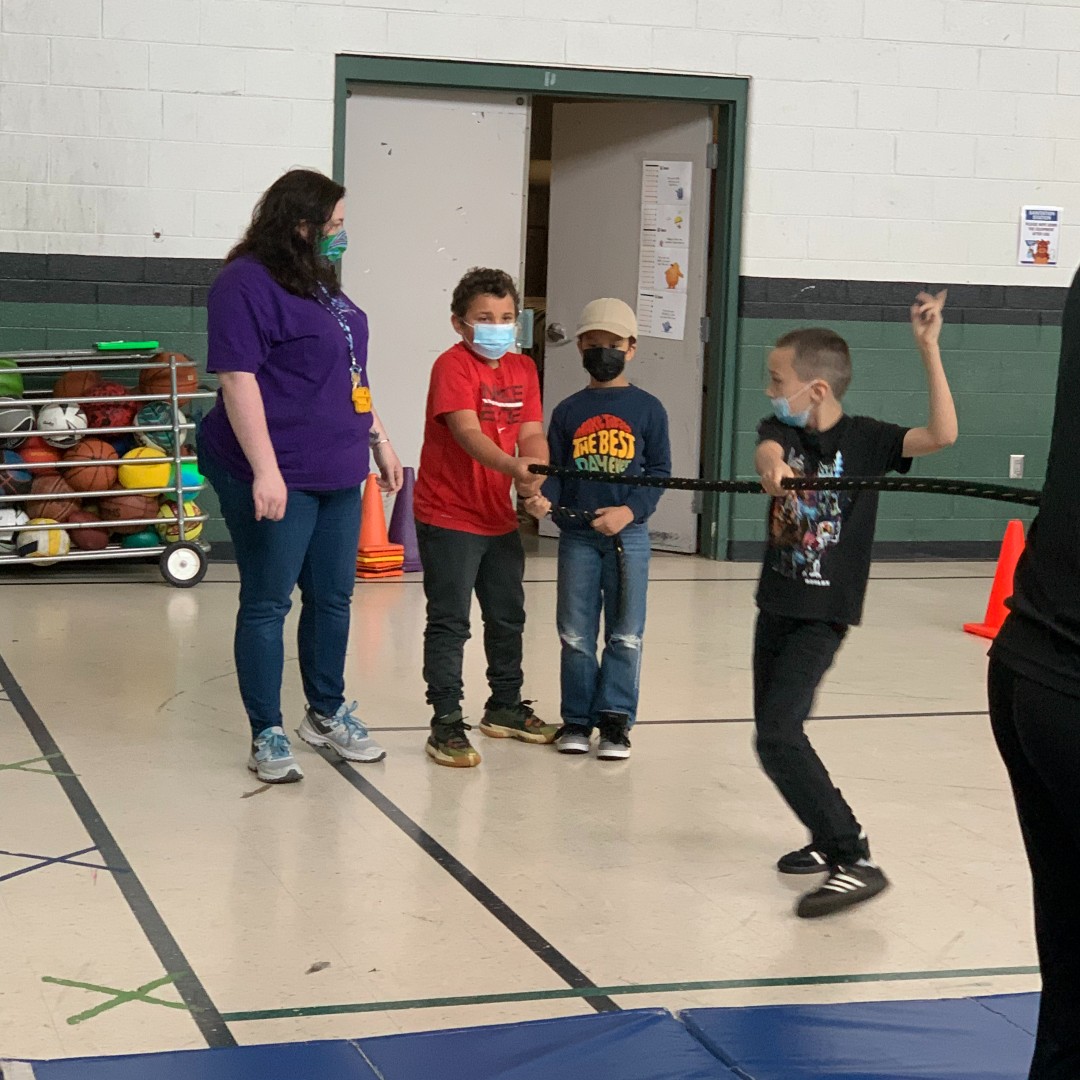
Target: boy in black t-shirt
pixel 814 576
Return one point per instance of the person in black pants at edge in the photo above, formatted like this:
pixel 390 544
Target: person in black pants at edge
pixel 1034 691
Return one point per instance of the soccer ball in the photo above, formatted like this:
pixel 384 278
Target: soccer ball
pixel 61 425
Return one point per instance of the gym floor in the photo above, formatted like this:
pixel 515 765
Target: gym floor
pixel 161 898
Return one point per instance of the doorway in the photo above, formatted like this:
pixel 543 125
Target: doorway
pixel 580 183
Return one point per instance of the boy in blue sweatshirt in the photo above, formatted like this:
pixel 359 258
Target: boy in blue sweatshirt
pixel 614 428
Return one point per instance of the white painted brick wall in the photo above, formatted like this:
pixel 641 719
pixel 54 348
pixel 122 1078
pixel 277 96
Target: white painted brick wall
pixel 887 139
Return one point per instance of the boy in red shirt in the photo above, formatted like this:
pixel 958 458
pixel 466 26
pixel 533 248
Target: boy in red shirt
pixel 483 407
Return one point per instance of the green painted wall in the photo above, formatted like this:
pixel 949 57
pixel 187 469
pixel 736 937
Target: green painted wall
pixel 1003 379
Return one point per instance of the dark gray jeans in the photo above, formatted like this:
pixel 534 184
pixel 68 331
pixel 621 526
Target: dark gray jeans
pixel 455 565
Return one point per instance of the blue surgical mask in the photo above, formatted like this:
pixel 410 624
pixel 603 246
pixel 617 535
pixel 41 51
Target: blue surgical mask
pixel 782 409
pixel 493 340
pixel 332 247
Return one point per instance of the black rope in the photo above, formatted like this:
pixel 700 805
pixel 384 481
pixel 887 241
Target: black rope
pixel 924 485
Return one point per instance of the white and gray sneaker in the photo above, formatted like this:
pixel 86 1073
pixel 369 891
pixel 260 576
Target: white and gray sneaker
pixel 271 758
pixel 573 739
pixel 343 733
pixel 614 737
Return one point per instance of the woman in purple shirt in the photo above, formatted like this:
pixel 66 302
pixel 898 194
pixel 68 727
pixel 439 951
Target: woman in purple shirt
pixel 286 449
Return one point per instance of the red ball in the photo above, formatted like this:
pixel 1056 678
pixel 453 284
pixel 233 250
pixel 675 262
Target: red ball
pixel 86 539
pixel 110 413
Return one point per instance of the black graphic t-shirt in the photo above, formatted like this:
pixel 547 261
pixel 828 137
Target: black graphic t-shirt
pixel 818 557
pixel 616 431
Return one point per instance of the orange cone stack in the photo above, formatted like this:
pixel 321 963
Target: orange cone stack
pixel 377 557
pixel 1012 548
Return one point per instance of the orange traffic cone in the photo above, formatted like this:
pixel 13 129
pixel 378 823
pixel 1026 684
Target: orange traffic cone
pixel 1011 549
pixel 376 556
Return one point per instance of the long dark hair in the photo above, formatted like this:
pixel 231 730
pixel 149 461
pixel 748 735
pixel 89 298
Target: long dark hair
pixel 275 237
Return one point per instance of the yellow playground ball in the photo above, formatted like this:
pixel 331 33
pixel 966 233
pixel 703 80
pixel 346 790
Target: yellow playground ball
pixel 42 544
pixel 169 529
pixel 145 467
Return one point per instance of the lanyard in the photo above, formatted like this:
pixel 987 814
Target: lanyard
pixel 338 308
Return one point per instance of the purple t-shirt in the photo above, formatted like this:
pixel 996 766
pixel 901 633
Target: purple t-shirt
pixel 298 352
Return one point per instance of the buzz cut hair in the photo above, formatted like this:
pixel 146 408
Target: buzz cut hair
pixel 820 354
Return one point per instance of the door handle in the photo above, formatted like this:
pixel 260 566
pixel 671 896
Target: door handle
pixel 556 334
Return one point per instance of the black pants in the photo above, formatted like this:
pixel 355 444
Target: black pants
pixel 1038 733
pixel 455 564
pixel 791 657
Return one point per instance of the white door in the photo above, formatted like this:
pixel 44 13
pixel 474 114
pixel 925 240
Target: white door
pixel 436 183
pixel 595 247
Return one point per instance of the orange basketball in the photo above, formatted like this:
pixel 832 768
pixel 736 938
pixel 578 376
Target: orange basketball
pixel 86 539
pixel 75 384
pixel 38 451
pixel 158 380
pixel 118 509
pixel 91 477
pixel 57 509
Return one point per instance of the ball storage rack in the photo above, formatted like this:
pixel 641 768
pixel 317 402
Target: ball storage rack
pixel 183 563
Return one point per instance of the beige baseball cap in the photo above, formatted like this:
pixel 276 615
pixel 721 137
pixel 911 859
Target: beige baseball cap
pixel 614 316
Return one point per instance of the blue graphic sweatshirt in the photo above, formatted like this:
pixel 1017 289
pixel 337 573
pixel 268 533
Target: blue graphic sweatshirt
pixel 617 431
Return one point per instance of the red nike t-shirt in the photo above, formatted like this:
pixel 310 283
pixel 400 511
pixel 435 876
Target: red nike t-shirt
pixel 453 490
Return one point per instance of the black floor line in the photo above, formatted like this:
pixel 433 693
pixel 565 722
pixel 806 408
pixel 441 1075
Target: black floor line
pixel 750 719
pixel 203 1011
pixel 532 939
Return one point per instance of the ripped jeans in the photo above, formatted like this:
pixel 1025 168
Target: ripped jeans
pixel 589 582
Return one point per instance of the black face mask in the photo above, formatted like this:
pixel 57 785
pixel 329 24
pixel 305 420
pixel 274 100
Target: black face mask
pixel 604 364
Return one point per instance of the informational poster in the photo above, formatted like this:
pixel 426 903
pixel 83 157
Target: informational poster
pixel 1040 233
pixel 665 248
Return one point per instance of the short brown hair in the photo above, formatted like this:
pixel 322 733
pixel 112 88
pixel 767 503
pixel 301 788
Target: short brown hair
pixel 482 281
pixel 820 354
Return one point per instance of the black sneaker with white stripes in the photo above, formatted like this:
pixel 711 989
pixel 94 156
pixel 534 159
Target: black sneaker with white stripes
pixel 845 887
pixel 807 860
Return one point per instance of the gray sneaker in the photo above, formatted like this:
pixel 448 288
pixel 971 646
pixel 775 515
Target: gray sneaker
pixel 614 740
pixel 573 739
pixel 271 758
pixel 343 733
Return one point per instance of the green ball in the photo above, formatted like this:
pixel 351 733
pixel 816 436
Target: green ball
pixel 11 382
pixel 193 480
pixel 146 538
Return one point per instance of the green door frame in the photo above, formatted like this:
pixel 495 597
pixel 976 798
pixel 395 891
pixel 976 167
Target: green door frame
pixel 730 97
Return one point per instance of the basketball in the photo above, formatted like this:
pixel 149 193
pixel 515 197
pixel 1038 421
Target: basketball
pixel 76 384
pixel 98 477
pixel 16 419
pixel 117 510
pixel 152 414
pixel 42 545
pixel 106 413
pixel 158 380
pixel 145 467
pixel 61 425
pixel 169 530
pixel 87 539
pixel 14 480
pixel 36 451
pixel 59 509
pixel 11 520
pixel 11 381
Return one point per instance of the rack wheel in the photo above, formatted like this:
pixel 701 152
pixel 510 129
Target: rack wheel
pixel 183 564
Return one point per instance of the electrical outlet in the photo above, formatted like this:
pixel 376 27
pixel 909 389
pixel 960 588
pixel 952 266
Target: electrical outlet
pixel 1016 466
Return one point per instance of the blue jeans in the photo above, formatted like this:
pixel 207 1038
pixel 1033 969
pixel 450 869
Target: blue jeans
pixel 313 546
pixel 589 581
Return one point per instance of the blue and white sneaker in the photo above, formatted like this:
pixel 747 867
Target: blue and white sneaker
pixel 271 758
pixel 343 733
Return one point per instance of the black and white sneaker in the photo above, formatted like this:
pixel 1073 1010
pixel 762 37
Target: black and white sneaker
pixel 846 886
pixel 614 742
pixel 807 860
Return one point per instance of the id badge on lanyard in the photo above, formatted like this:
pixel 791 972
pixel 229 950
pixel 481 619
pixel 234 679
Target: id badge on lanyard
pixel 361 395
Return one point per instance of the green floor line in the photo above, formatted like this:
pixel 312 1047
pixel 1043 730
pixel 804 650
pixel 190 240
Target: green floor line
pixel 119 997
pixel 22 766
pixel 621 991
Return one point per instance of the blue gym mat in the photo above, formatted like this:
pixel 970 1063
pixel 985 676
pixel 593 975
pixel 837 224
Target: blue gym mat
pixel 953 1039
pixel 643 1044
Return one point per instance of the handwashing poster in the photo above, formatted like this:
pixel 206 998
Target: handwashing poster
pixel 665 248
